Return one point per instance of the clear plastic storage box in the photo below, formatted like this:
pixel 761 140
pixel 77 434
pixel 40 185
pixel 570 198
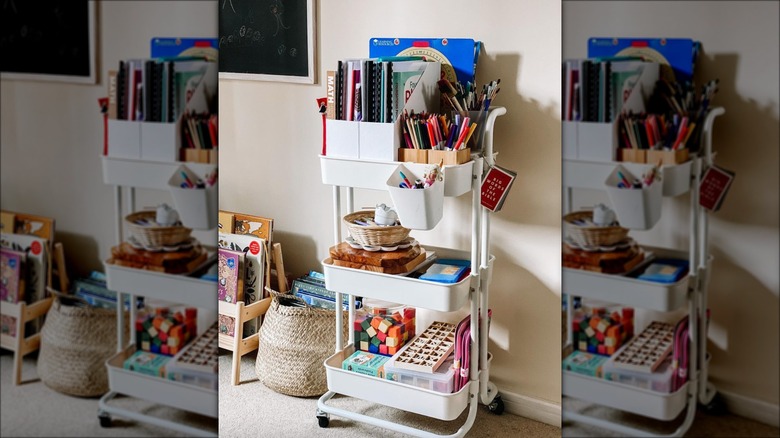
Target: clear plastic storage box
pixel 659 381
pixel 440 381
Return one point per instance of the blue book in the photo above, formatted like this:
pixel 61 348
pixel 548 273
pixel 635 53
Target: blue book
pixel 447 270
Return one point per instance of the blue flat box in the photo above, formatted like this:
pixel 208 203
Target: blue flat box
pixel 665 271
pixel 446 270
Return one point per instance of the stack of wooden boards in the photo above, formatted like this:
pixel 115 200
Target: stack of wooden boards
pixel 170 262
pixel 616 261
pixel 399 261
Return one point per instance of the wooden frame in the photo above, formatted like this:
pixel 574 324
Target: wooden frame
pixel 256 42
pixel 31 18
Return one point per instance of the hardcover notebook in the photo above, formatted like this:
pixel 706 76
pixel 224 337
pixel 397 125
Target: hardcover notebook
pixel 495 187
pixel 230 286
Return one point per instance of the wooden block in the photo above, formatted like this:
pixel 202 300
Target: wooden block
pixel 383 326
pixel 381 336
pixel 391 341
pixel 383 349
pixel 371 332
pixel 389 270
pixel 590 332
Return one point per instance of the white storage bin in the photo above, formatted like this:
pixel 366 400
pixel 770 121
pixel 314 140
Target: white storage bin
pixel 596 141
pixel 418 209
pixel 378 141
pixel 197 207
pixel 569 140
pixel 159 141
pixel 658 381
pixel 638 209
pixel 124 139
pixel 342 138
pixel 440 381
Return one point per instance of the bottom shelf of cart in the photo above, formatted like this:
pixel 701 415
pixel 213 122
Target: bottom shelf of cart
pixel 159 390
pixel 624 397
pixel 390 393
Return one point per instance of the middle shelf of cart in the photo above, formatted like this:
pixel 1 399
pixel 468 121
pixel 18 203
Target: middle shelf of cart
pixel 631 291
pixel 444 297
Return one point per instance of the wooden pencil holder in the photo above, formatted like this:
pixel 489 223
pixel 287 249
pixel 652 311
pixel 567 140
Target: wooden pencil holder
pixel 414 155
pixel 633 155
pixel 667 157
pixel 191 155
pixel 449 158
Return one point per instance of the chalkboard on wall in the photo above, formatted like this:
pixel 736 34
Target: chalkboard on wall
pixel 50 40
pixel 267 40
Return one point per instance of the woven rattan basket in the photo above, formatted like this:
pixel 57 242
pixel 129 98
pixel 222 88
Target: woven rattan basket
pixel 374 235
pixel 76 341
pixel 151 235
pixel 294 342
pixel 592 235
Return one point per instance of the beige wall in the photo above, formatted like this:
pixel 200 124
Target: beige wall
pixel 52 132
pixel 740 41
pixel 270 138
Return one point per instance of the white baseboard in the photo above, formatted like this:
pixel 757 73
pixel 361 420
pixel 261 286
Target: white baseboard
pixel 532 408
pixel 751 408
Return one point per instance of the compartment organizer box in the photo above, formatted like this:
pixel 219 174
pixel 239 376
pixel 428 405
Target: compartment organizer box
pixel 622 388
pixel 411 392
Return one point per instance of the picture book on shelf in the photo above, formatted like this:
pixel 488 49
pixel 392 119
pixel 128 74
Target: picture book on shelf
pixel 11 275
pixel 230 277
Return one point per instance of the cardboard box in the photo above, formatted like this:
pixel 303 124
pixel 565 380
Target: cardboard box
pixel 369 364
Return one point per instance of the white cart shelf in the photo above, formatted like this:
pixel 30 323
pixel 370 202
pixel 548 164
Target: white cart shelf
pixel 127 175
pixel 690 291
pixel 458 180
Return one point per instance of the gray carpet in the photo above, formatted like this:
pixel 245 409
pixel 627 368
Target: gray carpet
pixel 704 424
pixel 250 409
pixel 33 409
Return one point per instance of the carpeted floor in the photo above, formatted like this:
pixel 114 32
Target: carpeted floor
pixel 250 409
pixel 33 409
pixel 704 424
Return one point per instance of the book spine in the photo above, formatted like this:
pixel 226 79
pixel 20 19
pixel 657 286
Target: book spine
pixel 331 95
pixel 112 94
pixel 121 91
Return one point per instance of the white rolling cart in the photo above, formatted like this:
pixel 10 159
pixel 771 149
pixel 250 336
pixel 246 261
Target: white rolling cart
pixel 690 291
pixel 130 174
pixel 458 180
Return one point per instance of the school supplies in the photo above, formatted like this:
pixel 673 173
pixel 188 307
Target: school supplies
pixel 648 349
pixel 427 352
pixel 462 352
pixel 369 364
pixel 447 271
pixel 585 363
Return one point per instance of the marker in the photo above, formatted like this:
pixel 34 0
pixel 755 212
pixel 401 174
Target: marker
pixel 405 179
pixel 186 179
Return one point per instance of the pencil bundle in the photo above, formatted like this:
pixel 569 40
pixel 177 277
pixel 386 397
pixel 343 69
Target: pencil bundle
pixel 466 98
pixel 436 131
pixel 682 101
pixel 654 131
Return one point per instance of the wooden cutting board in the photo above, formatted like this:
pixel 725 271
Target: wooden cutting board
pixel 383 259
pixel 610 262
pixel 175 262
pixel 398 269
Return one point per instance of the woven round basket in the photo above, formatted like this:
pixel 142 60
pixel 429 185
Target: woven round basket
pixel 293 344
pixel 75 344
pixel 149 235
pixel 373 235
pixel 592 235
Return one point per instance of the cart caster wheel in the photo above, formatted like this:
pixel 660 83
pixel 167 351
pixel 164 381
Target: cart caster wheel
pixel 496 406
pixel 323 420
pixel 105 420
pixel 715 407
